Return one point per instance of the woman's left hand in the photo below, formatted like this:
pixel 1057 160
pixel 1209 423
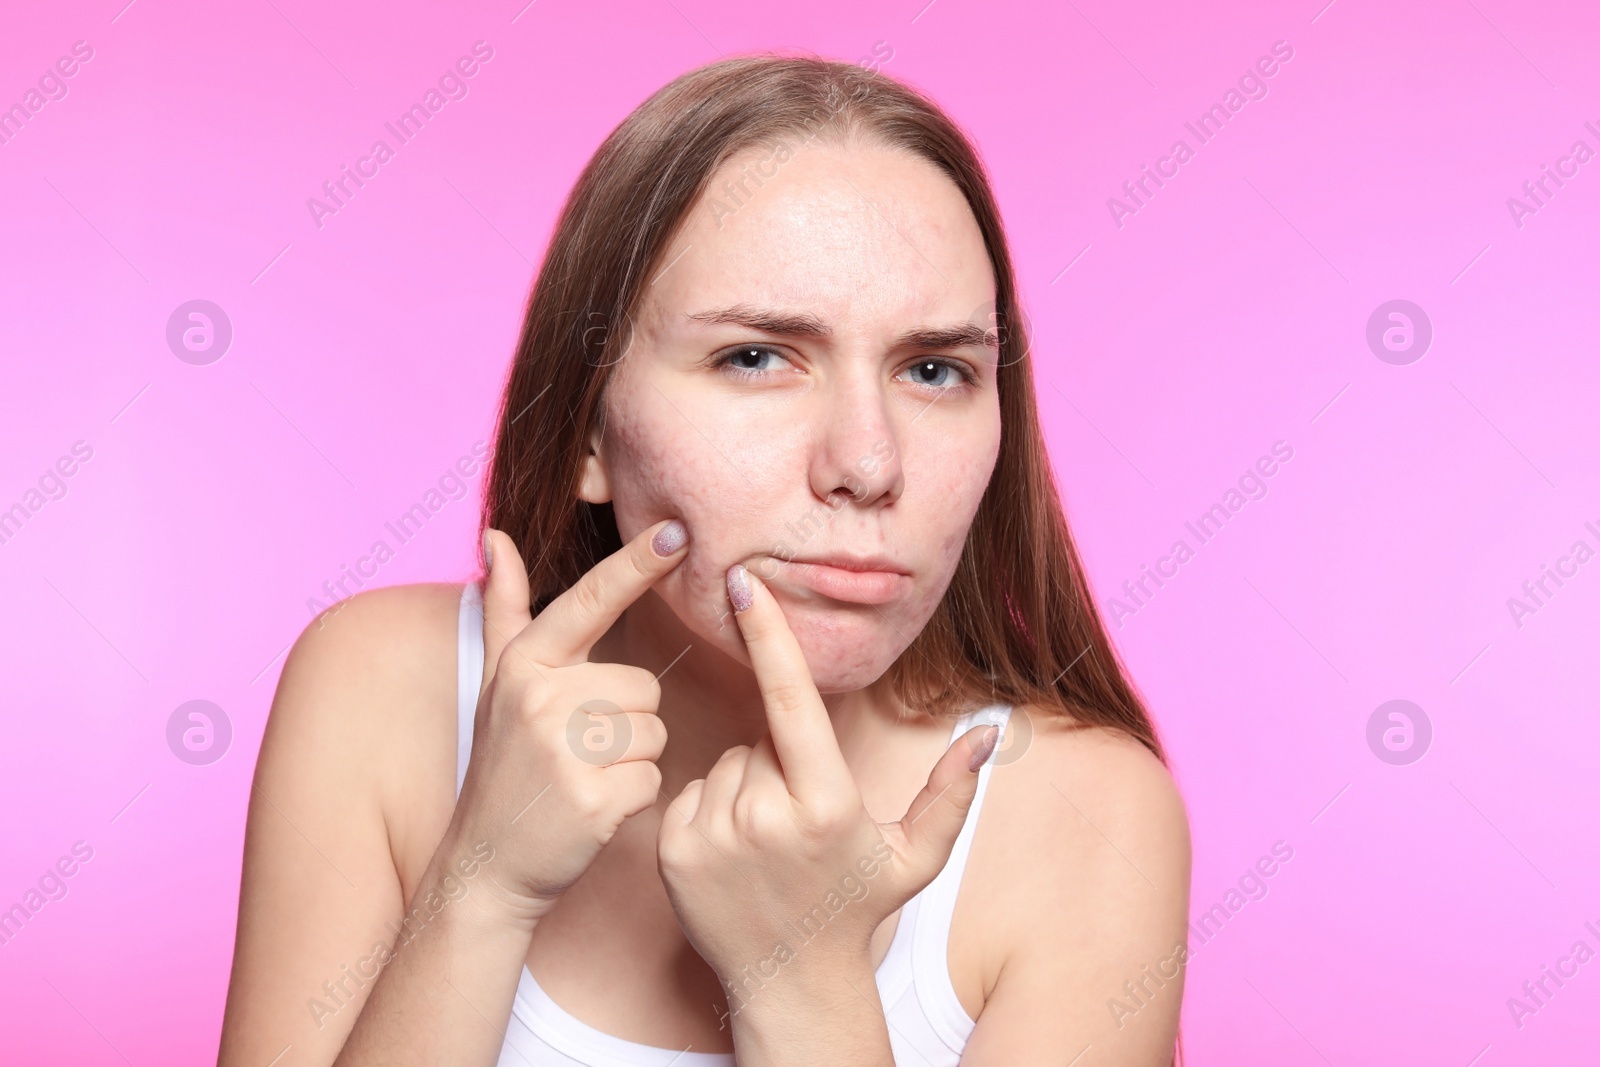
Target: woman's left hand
pixel 778 874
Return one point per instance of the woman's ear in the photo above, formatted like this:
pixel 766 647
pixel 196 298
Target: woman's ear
pixel 594 485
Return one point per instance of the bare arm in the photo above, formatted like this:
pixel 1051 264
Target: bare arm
pixel 341 959
pixel 362 701
pixel 376 957
pixel 445 993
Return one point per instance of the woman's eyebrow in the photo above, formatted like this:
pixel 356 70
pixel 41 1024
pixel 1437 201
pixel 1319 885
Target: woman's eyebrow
pixel 784 324
pixel 766 320
pixel 964 335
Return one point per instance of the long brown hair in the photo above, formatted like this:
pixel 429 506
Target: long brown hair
pixel 1017 623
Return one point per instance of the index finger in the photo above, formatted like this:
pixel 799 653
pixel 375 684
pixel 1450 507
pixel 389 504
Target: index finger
pixel 802 733
pixel 565 631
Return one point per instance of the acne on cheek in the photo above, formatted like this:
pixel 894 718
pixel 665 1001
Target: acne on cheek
pixel 653 469
pixel 660 471
pixel 680 459
pixel 950 486
pixel 950 551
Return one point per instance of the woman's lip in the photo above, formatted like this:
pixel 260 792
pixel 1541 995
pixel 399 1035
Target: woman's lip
pixel 855 587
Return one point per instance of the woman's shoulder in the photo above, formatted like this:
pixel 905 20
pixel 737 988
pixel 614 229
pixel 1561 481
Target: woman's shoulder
pixel 365 713
pixel 1084 797
pixel 374 656
pixel 1081 858
pixel 1062 754
pixel 371 622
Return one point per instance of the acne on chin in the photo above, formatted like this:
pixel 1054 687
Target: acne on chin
pixel 847 651
pixel 841 676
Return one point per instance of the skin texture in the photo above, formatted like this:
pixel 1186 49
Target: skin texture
pixel 769 730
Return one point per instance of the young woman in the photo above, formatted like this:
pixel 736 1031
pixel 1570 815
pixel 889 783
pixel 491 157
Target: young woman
pixel 783 729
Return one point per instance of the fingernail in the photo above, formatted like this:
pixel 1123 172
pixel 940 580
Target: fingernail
pixel 739 588
pixel 985 749
pixel 669 538
pixel 488 552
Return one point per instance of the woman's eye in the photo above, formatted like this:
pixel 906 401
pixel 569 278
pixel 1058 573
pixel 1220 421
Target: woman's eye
pixel 939 374
pixel 755 361
pixel 747 361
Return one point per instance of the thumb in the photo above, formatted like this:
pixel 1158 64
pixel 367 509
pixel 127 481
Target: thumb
pixel 506 606
pixel 935 818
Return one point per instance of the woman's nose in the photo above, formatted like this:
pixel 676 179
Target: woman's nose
pixel 855 449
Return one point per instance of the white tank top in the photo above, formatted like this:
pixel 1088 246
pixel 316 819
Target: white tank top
pixel 927 1025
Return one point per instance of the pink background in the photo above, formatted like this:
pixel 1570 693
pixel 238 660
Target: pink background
pixel 1227 314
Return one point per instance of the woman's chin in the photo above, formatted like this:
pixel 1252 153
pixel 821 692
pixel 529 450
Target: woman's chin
pixel 847 648
pixel 828 684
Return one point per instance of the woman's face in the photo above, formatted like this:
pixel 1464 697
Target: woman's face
pixel 777 397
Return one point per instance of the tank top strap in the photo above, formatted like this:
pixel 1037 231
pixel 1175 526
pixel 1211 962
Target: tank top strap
pixel 936 905
pixel 469 674
pixel 945 884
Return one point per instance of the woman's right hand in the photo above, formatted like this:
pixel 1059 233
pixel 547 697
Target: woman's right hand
pixel 563 749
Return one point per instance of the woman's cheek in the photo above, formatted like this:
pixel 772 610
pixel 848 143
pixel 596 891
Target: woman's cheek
pixel 655 474
pixel 695 488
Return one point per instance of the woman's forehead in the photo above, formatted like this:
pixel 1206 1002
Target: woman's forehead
pixel 839 232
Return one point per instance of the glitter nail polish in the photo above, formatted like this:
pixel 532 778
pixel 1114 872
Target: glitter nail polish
pixel 739 588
